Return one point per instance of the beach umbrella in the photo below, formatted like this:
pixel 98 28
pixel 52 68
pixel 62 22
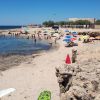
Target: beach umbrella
pixel 67 40
pixel 66 31
pixel 52 32
pixel 56 35
pixel 84 37
pixel 68 36
pixel 45 31
pixel 73 39
pixel 59 31
pixel 74 33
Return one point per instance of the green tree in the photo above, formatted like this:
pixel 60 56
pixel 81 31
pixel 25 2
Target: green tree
pixel 49 23
pixel 61 23
pixel 56 23
pixel 97 22
pixel 82 22
pixel 70 23
pixel 45 23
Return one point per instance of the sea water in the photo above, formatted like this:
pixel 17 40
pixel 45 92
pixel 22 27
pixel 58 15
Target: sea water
pixel 13 45
pixel 9 27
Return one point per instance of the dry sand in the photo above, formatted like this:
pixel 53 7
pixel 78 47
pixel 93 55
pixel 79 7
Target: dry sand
pixel 81 81
pixel 30 78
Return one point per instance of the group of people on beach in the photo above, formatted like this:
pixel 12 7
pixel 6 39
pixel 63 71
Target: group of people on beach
pixel 36 36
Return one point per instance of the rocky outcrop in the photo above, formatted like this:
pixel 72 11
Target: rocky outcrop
pixel 79 81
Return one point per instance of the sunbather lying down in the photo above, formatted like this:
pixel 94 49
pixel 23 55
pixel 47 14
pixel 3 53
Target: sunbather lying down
pixel 71 44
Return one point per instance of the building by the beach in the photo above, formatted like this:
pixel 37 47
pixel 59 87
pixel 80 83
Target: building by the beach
pixel 92 20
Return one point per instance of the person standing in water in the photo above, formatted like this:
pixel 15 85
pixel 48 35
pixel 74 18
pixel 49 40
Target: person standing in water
pixel 35 40
pixel 55 40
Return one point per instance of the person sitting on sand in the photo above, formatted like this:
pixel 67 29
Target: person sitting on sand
pixel 74 55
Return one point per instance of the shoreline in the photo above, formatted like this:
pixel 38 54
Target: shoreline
pixel 8 61
pixel 13 57
pixel 32 77
pixel 31 68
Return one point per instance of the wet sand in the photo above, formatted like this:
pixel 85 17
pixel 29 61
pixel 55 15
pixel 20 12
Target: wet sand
pixel 8 61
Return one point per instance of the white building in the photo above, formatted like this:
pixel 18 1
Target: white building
pixel 92 20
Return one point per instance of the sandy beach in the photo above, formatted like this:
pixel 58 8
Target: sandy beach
pixel 50 50
pixel 32 77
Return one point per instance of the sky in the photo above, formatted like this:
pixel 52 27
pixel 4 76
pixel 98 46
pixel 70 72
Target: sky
pixel 23 12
